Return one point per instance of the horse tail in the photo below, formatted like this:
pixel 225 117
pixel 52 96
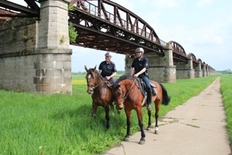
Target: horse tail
pixel 165 98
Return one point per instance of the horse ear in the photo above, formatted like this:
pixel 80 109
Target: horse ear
pixel 95 68
pixel 86 69
pixel 117 86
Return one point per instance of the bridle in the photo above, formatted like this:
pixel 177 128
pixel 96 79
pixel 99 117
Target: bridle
pixel 126 95
pixel 93 86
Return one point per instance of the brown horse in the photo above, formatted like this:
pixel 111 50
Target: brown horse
pixel 101 91
pixel 127 93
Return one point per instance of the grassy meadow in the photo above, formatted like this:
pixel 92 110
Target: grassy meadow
pixel 62 124
pixel 226 90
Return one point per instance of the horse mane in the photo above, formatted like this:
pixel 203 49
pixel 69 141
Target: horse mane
pixel 92 70
pixel 121 78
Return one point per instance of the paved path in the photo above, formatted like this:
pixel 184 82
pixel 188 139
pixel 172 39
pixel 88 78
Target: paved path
pixel 196 127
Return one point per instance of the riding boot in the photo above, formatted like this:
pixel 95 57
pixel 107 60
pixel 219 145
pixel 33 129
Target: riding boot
pixel 149 98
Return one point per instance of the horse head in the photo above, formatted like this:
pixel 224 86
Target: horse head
pixel 119 95
pixel 91 79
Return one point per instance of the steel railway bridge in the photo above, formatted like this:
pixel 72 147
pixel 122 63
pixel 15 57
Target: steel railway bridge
pixel 102 25
pixel 105 25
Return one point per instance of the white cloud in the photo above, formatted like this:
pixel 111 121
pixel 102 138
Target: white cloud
pixel 167 3
pixel 202 3
pixel 129 4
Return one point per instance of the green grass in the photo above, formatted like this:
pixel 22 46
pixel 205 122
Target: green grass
pixel 62 124
pixel 226 89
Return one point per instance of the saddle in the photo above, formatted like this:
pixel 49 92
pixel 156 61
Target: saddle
pixel 110 85
pixel 143 89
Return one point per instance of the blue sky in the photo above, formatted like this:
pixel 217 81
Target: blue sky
pixel 201 27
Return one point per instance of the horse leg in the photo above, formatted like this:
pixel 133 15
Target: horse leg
pixel 157 107
pixel 107 117
pixel 112 108
pixel 128 123
pixel 149 119
pixel 94 110
pixel 140 120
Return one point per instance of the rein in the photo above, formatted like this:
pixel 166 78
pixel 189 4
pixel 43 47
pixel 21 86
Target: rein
pixel 129 90
pixel 96 85
pixel 93 86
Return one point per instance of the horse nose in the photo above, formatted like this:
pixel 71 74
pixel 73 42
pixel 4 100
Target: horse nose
pixel 119 106
pixel 89 91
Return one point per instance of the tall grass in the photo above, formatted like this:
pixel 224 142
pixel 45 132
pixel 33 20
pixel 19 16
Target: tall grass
pixel 62 124
pixel 226 89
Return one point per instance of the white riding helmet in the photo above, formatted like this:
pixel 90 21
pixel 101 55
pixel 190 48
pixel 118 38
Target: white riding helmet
pixel 107 54
pixel 139 49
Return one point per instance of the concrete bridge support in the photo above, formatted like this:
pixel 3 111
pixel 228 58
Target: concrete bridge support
pixel 207 70
pixel 36 58
pixel 185 70
pixel 161 69
pixel 204 70
pixel 53 69
pixel 198 71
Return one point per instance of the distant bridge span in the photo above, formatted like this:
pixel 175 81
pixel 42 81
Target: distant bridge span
pixel 119 31
pixel 111 27
pixel 102 25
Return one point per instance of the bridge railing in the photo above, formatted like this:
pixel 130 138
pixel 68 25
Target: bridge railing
pixel 107 16
pixel 137 29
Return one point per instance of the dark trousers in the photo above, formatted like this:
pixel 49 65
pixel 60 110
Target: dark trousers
pixel 111 80
pixel 149 92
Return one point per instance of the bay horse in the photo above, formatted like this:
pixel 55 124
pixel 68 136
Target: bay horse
pixel 101 92
pixel 127 93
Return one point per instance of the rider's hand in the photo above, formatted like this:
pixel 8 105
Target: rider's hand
pixel 135 75
pixel 108 77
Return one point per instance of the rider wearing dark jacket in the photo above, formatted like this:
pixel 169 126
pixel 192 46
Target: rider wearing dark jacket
pixel 107 68
pixel 139 68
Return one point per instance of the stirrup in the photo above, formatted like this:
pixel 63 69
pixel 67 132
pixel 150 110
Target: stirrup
pixel 149 106
pixel 144 99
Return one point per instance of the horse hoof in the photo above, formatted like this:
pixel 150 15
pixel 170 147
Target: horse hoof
pixel 94 116
pixel 126 139
pixel 156 131
pixel 141 142
pixel 119 111
pixel 107 127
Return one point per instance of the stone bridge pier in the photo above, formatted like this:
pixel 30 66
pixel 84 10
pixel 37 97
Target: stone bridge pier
pixel 198 70
pixel 53 69
pixel 38 58
pixel 204 71
pixel 185 70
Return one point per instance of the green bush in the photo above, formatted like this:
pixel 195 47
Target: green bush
pixel 72 33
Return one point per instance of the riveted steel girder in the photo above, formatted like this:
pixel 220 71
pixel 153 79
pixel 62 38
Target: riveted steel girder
pixel 97 28
pixel 31 11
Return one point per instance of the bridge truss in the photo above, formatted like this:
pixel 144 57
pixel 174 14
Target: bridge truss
pixel 104 25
